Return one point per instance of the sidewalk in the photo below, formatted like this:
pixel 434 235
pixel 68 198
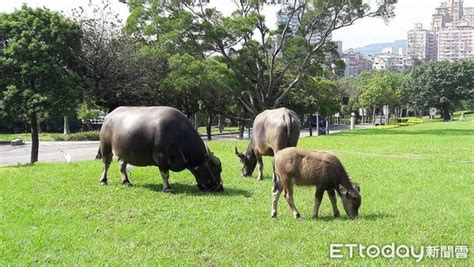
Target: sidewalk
pixel 50 151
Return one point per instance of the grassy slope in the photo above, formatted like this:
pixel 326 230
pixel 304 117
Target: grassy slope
pixel 416 185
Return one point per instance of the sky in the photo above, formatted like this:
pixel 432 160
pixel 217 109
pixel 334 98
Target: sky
pixel 363 32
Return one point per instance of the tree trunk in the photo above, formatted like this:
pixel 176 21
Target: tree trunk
pixel 196 121
pixel 317 123
pixel 34 139
pixel 241 129
pixel 387 120
pixel 310 120
pixel 208 126
pixel 66 126
pixel 220 124
pixel 446 114
pixel 373 116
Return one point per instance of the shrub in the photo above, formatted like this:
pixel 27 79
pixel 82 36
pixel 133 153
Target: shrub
pixel 415 120
pixel 402 120
pixel 403 124
pixel 81 136
pixel 387 126
pixel 393 121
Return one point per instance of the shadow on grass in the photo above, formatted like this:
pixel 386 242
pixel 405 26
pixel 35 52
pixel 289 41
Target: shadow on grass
pixel 193 190
pixel 362 217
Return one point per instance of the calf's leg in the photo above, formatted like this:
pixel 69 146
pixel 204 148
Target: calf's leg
pixel 123 173
pixel 332 197
pixel 291 201
pixel 277 189
pixel 317 202
pixel 165 175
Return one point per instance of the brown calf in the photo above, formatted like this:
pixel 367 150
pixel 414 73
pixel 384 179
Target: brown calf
pixel 322 169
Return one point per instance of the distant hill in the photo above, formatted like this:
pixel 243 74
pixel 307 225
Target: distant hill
pixel 373 49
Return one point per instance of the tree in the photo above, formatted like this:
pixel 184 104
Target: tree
pixel 115 73
pixel 315 94
pixel 441 85
pixel 206 83
pixel 261 58
pixel 378 89
pixel 38 64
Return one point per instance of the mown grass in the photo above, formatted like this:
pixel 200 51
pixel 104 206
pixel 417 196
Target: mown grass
pixel 79 136
pixel 416 184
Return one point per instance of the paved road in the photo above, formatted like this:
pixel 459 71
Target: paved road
pixel 87 150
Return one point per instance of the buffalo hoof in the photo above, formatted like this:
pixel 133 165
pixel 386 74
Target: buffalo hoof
pixel 314 217
pixel 168 190
pixel 103 182
pixel 297 216
pixel 127 184
pixel 274 214
pixel 337 216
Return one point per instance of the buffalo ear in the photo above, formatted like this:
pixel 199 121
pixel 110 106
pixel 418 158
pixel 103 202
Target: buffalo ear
pixel 342 189
pixel 357 188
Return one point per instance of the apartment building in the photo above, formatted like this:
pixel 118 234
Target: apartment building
pixel 451 35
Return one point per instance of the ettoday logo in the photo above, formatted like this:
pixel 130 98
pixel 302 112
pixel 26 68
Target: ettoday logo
pixel 390 251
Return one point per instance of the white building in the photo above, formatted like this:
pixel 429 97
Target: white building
pixel 421 43
pixel 451 35
pixel 391 61
pixel 456 43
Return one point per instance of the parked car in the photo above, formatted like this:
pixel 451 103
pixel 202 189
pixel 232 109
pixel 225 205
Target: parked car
pixel 380 121
pixel 314 121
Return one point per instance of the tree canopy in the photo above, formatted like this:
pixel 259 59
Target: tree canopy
pixel 441 85
pixel 38 65
pixel 260 57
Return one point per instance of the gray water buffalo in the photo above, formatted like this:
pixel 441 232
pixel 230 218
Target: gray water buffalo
pixel 321 169
pixel 273 130
pixel 157 136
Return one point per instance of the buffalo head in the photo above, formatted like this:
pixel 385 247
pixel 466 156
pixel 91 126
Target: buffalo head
pixel 249 161
pixel 351 200
pixel 208 174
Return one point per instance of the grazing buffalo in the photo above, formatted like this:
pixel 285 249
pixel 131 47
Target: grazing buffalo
pixel 157 136
pixel 322 169
pixel 273 130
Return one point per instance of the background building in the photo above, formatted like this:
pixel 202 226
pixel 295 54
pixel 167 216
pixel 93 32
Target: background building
pixel 391 61
pixel 355 62
pixel 451 36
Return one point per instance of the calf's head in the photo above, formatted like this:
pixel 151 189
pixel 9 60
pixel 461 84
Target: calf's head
pixel 249 161
pixel 351 200
pixel 208 174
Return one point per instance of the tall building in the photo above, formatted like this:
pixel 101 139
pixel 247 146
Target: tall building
pixel 355 62
pixel 421 43
pixel 456 43
pixel 451 35
pixel 283 15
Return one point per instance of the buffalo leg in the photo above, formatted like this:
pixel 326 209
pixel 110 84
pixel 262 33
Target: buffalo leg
pixel 106 153
pixel 260 167
pixel 275 195
pixel 317 202
pixel 332 197
pixel 165 175
pixel 291 201
pixel 123 173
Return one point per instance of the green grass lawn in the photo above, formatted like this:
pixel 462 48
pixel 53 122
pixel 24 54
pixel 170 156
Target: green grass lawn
pixel 416 185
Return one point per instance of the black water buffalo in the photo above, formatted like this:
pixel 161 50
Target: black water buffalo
pixel 157 136
pixel 273 130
